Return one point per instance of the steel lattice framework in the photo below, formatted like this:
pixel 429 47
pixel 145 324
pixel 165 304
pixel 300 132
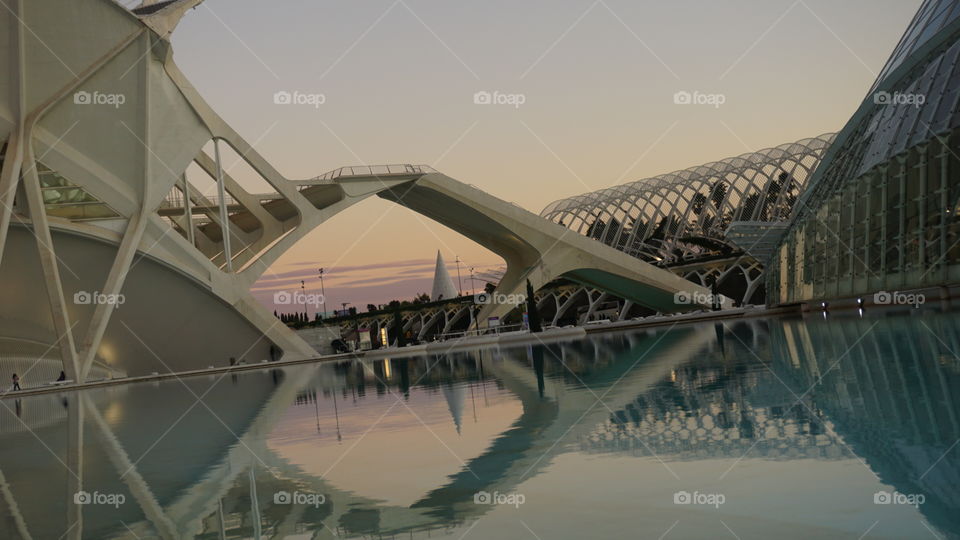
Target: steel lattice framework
pixel 682 216
pixel 883 212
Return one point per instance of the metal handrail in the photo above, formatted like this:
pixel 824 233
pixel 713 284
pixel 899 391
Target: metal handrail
pixel 176 201
pixel 474 332
pixel 376 170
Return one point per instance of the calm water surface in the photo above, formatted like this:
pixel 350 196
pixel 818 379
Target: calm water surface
pixel 824 427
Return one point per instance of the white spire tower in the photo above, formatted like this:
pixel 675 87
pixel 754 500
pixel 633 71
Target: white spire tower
pixel 443 288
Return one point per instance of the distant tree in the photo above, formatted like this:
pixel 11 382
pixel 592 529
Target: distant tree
pixel 749 206
pixel 698 203
pixel 489 288
pixel 719 192
pixel 371 307
pixel 596 228
pixel 421 298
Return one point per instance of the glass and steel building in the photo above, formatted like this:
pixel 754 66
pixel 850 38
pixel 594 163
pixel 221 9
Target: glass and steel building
pixel 681 220
pixel 881 213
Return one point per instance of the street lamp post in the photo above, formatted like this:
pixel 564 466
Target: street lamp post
pixel 323 293
pixel 473 288
pixel 303 289
pixel 459 283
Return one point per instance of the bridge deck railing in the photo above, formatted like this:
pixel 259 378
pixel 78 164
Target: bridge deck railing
pixel 375 170
pixel 491 331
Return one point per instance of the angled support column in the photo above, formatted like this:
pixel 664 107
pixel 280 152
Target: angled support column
pixel 113 286
pixel 51 271
pixel 13 160
pixel 188 211
pixel 224 217
pixel 9 180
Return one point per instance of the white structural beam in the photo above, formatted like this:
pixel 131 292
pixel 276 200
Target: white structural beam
pixel 188 211
pixel 224 216
pixel 13 160
pixel 114 284
pixel 51 271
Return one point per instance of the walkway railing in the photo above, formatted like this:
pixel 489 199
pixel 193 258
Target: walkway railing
pixel 375 170
pixel 494 331
pixel 176 201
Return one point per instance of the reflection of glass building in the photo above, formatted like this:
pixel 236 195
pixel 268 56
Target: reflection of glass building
pixel 680 220
pixel 889 387
pixel 881 213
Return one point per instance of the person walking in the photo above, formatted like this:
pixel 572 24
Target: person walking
pixel 16 381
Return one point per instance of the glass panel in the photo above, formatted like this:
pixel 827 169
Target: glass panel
pixel 66 200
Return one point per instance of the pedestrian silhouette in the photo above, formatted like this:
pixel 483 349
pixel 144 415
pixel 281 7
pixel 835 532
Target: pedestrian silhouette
pixel 16 381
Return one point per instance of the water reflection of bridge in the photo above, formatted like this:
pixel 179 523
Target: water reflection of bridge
pixel 687 399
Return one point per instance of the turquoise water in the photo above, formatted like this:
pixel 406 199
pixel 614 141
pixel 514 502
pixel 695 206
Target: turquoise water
pixel 839 426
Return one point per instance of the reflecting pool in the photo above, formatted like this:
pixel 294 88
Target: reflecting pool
pixel 826 426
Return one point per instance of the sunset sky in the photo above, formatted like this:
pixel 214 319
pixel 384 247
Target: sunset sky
pixel 596 80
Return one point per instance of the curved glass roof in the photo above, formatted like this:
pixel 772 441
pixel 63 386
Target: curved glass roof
pixel 683 215
pixel 932 17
